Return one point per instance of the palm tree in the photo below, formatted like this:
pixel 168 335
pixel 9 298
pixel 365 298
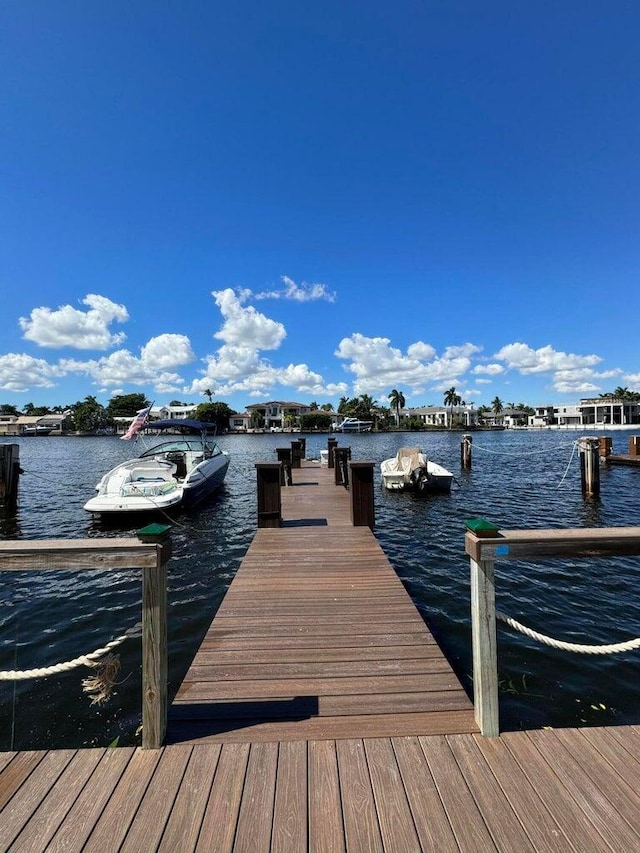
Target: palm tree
pixel 343 403
pixel 497 406
pixel 451 399
pixel 397 403
pixel 208 393
pixel 365 404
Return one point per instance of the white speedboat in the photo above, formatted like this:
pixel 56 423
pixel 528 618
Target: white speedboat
pixel 179 472
pixel 353 425
pixel 410 469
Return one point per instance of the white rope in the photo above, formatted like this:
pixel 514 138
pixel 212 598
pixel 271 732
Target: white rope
pixel 521 452
pixel 613 649
pixel 564 476
pixel 83 660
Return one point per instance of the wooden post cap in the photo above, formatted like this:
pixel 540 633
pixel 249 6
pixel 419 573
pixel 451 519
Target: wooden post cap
pixel 481 527
pixel 153 532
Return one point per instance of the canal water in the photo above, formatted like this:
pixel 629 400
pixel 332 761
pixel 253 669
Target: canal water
pixel 519 479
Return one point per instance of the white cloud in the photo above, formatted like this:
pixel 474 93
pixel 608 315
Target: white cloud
pixel 167 351
pixel 298 293
pixel 525 360
pixel 377 365
pixel 246 327
pixel 421 351
pixel 463 351
pixel 122 368
pixel 69 327
pixel 20 372
pixel 489 369
pixel 238 366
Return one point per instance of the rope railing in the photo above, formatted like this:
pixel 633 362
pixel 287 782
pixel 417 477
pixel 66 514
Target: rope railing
pixel 99 686
pixel 66 666
pixel 485 544
pixel 579 648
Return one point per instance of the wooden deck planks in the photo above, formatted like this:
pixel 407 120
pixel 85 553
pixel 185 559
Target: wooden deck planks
pixel 325 717
pixel 545 791
pixel 317 637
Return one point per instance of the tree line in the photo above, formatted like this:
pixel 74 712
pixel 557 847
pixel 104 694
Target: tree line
pixel 89 415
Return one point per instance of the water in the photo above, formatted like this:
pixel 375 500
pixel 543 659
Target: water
pixel 519 479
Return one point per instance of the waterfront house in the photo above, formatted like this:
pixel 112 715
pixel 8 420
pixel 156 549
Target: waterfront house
pixel 442 416
pixel 18 425
pixel 274 414
pixel 591 411
pixel 240 422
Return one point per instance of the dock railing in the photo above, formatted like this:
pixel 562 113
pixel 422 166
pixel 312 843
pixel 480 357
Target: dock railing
pixel 485 544
pixel 150 553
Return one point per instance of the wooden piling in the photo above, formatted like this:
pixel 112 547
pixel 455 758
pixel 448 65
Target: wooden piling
pixel 589 467
pixel 9 476
pixel 634 445
pixel 465 451
pixel 269 497
pixel 605 446
pixel 284 457
pixel 332 443
pixel 362 504
pixel 296 454
pixel 341 457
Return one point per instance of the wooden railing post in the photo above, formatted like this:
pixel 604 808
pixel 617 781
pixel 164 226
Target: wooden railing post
pixel 483 629
pixel 362 504
pixel 485 655
pixel 154 638
pixel 269 497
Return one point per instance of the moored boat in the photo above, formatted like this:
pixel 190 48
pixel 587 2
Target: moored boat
pixel 179 472
pixel 353 425
pixel 410 469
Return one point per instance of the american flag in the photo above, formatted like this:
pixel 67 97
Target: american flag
pixel 136 424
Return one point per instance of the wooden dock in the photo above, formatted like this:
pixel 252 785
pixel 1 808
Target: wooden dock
pixel 622 459
pixel 319 714
pixel 317 638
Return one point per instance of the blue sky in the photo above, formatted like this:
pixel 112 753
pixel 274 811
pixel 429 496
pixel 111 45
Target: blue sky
pixel 299 201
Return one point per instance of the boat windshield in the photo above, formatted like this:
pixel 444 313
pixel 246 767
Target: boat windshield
pixel 182 445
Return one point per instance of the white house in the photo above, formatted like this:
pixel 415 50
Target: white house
pixel 440 416
pixel 173 412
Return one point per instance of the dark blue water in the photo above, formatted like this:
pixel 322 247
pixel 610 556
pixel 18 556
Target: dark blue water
pixel 519 479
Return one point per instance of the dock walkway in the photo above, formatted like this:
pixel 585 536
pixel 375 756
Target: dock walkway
pixel 320 715
pixel 317 638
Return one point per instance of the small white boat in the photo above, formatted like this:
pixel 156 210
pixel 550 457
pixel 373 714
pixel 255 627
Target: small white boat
pixel 410 469
pixel 179 472
pixel 353 425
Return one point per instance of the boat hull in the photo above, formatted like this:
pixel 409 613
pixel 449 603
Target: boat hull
pixel 147 485
pixel 410 470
